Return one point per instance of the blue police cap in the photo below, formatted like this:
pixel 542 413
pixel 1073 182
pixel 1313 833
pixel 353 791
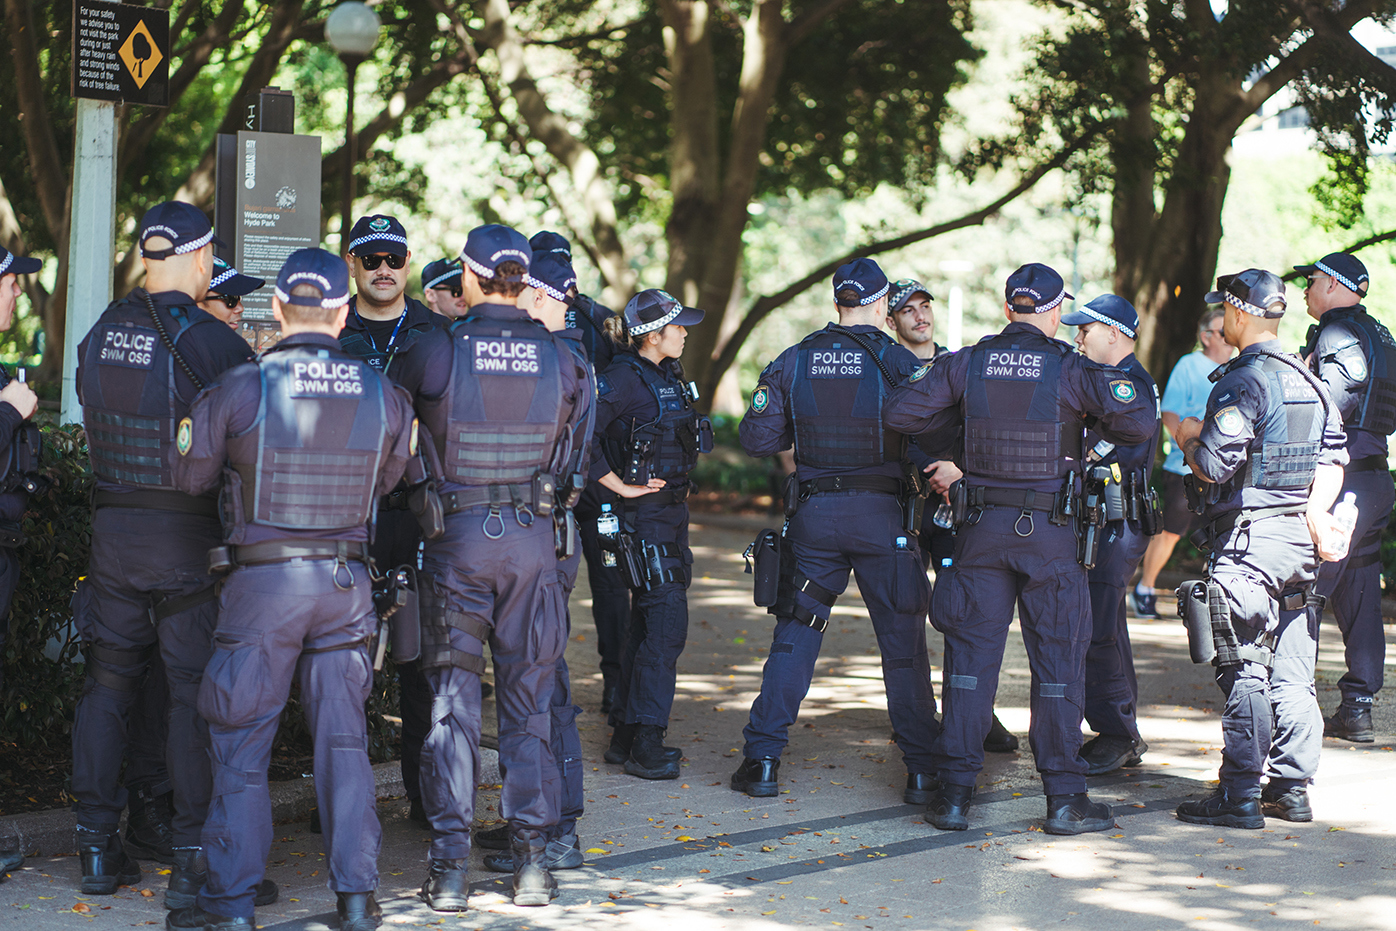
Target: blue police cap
pixel 1347 269
pixel 228 280
pixel 547 241
pixel 377 234
pixel 11 264
pixel 863 276
pixel 1108 309
pixel 551 273
pixel 652 309
pixel 1039 282
pixel 318 268
pixel 184 225
pixel 443 273
pixel 1252 291
pixel 492 244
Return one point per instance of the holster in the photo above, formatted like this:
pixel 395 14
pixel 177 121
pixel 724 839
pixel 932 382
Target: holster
pixel 1114 502
pixel 395 599
pixel 1064 504
pixel 425 504
pixel 705 435
pixel 564 532
pixel 1197 620
pixel 1150 511
pixel 628 558
pixel 959 502
pixel 763 563
pixel 914 500
pixel 790 497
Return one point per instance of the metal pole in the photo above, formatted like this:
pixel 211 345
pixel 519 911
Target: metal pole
pixel 346 220
pixel 90 237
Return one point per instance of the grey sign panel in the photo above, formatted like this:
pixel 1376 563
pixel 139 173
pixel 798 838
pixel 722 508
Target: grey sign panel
pixel 277 208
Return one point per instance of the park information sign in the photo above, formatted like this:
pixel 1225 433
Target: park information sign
pixel 278 207
pixel 121 53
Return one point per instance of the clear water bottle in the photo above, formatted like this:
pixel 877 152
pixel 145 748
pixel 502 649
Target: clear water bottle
pixel 1344 520
pixel 608 528
pixel 944 516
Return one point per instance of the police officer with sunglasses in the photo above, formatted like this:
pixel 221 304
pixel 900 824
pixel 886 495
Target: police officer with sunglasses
pixel 226 290
pixel 441 288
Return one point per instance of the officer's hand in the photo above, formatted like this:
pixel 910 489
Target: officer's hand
pixel 1323 530
pixel 1188 428
pixel 19 396
pixel 941 474
pixel 612 481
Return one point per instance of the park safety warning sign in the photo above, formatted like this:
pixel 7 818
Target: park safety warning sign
pixel 121 52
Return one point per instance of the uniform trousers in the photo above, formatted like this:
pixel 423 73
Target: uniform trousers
pixel 565 739
pixel 830 535
pixel 509 585
pixel 610 597
pixel 1112 690
pixel 140 556
pixel 296 619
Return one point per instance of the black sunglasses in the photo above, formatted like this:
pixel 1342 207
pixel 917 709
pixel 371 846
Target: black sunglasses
pixel 371 262
pixel 454 289
pixel 232 300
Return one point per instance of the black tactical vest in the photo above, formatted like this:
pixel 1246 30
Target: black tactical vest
pixel 836 400
pixel 311 460
pixel 501 420
pixel 1377 408
pixel 1284 451
pixel 679 434
pixel 1016 423
pixel 129 405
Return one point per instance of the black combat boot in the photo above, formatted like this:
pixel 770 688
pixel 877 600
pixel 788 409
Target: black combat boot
pixel 999 740
pixel 757 778
pixel 608 694
pixel 495 838
pixel 1223 811
pixel 919 787
pixel 187 878
pixel 358 911
pixel 447 885
pixel 649 758
pixel 622 738
pixel 564 853
pixel 195 918
pixel 1076 814
pixel 1352 721
pixel 149 834
pixel 1105 753
pixel 1288 804
pixel 105 864
pixel 949 807
pixel 533 884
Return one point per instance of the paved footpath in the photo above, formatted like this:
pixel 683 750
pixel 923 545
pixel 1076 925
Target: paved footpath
pixel 838 848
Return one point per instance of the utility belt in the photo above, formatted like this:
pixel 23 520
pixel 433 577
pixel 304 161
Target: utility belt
pixel 224 559
pixel 1205 537
pixel 968 502
pixel 396 500
pixel 911 489
pixel 1367 464
pixel 156 501
pixel 1107 496
pixel 1215 637
pixel 529 502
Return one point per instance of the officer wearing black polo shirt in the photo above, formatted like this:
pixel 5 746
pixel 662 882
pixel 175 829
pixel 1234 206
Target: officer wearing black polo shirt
pixel 147 586
pixel 1117 488
pixel 827 395
pixel 1024 397
pixel 441 288
pixel 1355 356
pixel 1267 462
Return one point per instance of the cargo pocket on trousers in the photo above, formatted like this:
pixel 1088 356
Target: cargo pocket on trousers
pixel 911 588
pixel 547 633
pixel 950 602
pixel 236 686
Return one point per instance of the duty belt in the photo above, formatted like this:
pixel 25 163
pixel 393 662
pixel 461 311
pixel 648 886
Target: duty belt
pixel 1205 538
pixel 881 484
pixel 666 495
pixel 1031 500
pixel 395 500
pixel 1368 464
pixel 453 502
pixel 156 501
pixel 253 554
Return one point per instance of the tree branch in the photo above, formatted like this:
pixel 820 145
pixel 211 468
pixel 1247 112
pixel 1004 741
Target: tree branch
pixel 1360 244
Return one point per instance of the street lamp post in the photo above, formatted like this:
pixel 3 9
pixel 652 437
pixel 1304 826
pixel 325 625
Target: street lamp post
pixel 352 31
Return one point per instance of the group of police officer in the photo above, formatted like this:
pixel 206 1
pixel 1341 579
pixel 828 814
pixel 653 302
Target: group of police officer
pixel 390 472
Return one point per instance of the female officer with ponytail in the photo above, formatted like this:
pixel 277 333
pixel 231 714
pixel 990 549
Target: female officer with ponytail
pixel 648 438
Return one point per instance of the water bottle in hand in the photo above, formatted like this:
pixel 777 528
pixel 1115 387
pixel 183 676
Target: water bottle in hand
pixel 1344 520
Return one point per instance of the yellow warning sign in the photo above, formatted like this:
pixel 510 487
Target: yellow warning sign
pixel 140 54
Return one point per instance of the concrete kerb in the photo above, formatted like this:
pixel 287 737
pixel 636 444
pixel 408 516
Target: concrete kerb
pixel 50 833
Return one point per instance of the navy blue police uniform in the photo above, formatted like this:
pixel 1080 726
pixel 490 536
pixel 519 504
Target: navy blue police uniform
pixel 828 396
pixel 1024 398
pixel 1354 355
pixel 1269 425
pixel 147 600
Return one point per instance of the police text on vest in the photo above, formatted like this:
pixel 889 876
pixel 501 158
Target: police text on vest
pixel 1012 363
pixel 130 346
pixel 326 378
pixel 505 357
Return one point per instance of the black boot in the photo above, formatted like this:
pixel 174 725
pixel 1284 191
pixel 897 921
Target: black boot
pixel 1076 814
pixel 1288 804
pixel 11 853
pixel 149 835
pixel 417 814
pixel 1352 721
pixel 999 740
pixel 105 864
pixel 533 884
pixel 187 878
pixel 649 758
pixel 949 807
pixel 315 821
pixel 447 885
pixel 358 911
pixel 622 738
pixel 757 778
pixel 608 694
pixel 919 787
pixel 495 838
pixel 195 918
pixel 1223 811
pixel 563 853
pixel 1106 753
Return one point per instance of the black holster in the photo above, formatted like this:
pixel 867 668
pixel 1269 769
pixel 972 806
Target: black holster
pixel 790 497
pixel 1197 620
pixel 425 504
pixel 396 602
pixel 959 502
pixel 764 554
pixel 629 559
pixel 564 532
pixel 1211 636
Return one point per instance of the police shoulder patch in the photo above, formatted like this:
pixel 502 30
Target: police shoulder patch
pixel 1229 420
pixel 920 373
pixel 184 438
pixel 1122 389
pixel 412 439
pixel 760 399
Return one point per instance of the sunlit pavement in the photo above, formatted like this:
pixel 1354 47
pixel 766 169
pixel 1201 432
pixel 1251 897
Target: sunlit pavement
pixel 837 848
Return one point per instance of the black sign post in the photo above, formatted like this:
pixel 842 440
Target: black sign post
pixel 121 53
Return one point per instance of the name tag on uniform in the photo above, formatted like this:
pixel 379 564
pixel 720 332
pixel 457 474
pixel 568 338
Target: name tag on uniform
pixel 132 347
pixel 1014 363
pixel 835 363
pixel 326 379
pixel 497 356
pixel 670 397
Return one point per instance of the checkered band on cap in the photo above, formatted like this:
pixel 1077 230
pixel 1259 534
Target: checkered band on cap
pixel 453 273
pixel 848 285
pixel 377 237
pixel 230 272
pixel 1338 276
pixel 640 329
pixel 549 290
pixel 1036 296
pixel 1108 321
pixel 1244 306
pixel 6 262
pixel 484 271
pixel 199 243
pixel 320 281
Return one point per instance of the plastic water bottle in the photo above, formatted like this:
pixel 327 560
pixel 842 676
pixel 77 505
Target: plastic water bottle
pixel 944 516
pixel 608 528
pixel 1344 520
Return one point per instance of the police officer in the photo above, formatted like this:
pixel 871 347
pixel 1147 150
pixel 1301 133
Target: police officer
pixel 441 288
pixel 549 279
pixel 226 291
pixel 302 443
pixel 1355 356
pixel 1268 459
pixel 610 596
pixel 911 317
pixel 501 401
pixel 1117 488
pixel 147 586
pixel 1024 397
pixel 827 396
pixel 383 326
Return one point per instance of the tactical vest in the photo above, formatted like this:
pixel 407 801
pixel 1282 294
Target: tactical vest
pixel 837 398
pixel 582 316
pixel 679 434
pixel 501 420
pixel 1284 451
pixel 1017 425
pixel 311 459
pixel 1377 409
pixel 359 345
pixel 129 406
